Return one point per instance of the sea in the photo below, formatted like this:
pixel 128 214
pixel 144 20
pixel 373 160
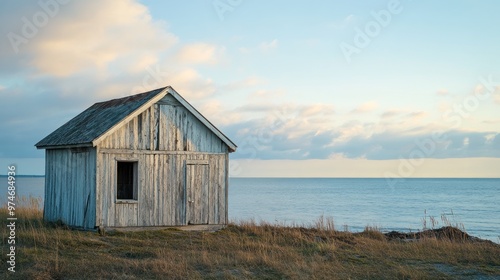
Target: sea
pixel 353 204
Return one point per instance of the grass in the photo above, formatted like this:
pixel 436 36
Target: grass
pixel 245 250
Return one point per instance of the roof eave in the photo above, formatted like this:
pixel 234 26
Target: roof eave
pixel 65 146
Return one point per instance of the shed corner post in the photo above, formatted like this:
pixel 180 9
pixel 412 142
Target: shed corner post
pixel 226 222
pixel 46 178
pixel 98 188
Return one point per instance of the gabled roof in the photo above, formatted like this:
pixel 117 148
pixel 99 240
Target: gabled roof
pixel 101 119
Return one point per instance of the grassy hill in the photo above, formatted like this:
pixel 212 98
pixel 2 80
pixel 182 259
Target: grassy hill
pixel 242 251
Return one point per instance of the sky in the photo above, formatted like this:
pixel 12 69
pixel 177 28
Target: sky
pixel 305 89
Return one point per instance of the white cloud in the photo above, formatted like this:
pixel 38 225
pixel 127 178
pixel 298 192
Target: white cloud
pixel 142 62
pixel 264 47
pixel 89 52
pixel 403 119
pixel 191 84
pixel 496 121
pixel 99 35
pixel 267 46
pixel 391 113
pixel 416 115
pixel 365 107
pixel 496 96
pixel 108 49
pixel 218 114
pixel 442 92
pixel 350 130
pixel 316 109
pixel 299 131
pixel 199 53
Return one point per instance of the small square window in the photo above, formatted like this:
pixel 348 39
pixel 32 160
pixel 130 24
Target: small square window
pixel 126 180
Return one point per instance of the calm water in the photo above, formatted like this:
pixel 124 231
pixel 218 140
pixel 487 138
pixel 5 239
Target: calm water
pixel 475 203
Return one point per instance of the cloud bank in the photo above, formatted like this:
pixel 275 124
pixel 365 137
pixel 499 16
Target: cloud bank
pixel 87 51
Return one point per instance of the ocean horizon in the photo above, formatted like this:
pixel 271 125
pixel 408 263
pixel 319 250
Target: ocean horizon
pixel 410 205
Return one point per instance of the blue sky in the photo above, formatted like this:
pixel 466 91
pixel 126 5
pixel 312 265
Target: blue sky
pixel 324 88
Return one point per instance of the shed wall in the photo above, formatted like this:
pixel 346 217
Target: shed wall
pixel 161 189
pixel 70 176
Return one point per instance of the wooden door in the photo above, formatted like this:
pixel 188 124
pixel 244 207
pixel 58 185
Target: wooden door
pixel 197 195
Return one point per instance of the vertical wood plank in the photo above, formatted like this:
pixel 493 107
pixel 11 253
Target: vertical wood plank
pixel 226 187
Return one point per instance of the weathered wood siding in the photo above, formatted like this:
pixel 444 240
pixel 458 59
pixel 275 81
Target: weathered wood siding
pixel 70 177
pixel 165 126
pixel 175 152
pixel 182 165
pixel 162 188
pixel 198 195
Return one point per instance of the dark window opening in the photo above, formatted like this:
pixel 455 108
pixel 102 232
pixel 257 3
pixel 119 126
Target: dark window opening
pixel 126 180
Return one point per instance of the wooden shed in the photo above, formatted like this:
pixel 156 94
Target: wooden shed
pixel 149 159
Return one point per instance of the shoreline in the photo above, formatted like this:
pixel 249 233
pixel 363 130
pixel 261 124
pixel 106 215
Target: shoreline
pixel 245 251
pixel 37 202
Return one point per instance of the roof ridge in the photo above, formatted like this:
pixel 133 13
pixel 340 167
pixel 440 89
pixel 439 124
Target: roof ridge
pixel 132 96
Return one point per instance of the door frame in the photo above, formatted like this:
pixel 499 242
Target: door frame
pixel 201 193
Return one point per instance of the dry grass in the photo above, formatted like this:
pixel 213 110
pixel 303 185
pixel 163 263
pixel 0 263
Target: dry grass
pixel 243 251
